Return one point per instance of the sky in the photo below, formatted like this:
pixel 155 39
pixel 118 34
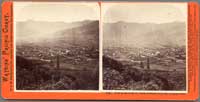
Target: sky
pixel 144 12
pixel 111 12
pixel 56 11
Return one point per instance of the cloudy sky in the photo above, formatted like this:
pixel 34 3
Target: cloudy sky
pixel 55 11
pixel 144 12
pixel 112 12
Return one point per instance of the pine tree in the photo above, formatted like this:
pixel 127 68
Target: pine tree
pixel 58 62
pixel 141 64
pixel 148 63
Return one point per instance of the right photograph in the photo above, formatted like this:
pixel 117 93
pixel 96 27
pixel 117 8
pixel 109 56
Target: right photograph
pixel 144 46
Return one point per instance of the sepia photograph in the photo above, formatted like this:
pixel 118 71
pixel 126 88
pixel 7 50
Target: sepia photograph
pixel 56 45
pixel 144 47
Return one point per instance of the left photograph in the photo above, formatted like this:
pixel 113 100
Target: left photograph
pixel 56 45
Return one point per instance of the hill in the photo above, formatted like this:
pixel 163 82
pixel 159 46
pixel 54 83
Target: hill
pixel 150 35
pixel 57 33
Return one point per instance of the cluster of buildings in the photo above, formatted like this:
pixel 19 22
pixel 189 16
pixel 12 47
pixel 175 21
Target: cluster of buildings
pixel 141 56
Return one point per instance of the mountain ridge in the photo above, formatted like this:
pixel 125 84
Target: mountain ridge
pixel 85 34
pixel 38 31
pixel 144 34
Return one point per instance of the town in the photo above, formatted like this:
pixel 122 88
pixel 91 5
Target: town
pixel 144 68
pixel 57 68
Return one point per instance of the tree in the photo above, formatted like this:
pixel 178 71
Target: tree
pixel 58 62
pixel 141 64
pixel 148 63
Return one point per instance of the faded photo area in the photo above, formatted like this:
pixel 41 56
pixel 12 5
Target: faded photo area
pixel 57 46
pixel 144 46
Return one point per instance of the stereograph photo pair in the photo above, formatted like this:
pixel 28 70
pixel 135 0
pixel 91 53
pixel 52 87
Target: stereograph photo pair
pixel 100 50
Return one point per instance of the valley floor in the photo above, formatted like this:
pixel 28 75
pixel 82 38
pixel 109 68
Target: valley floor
pixel 163 69
pixel 36 69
